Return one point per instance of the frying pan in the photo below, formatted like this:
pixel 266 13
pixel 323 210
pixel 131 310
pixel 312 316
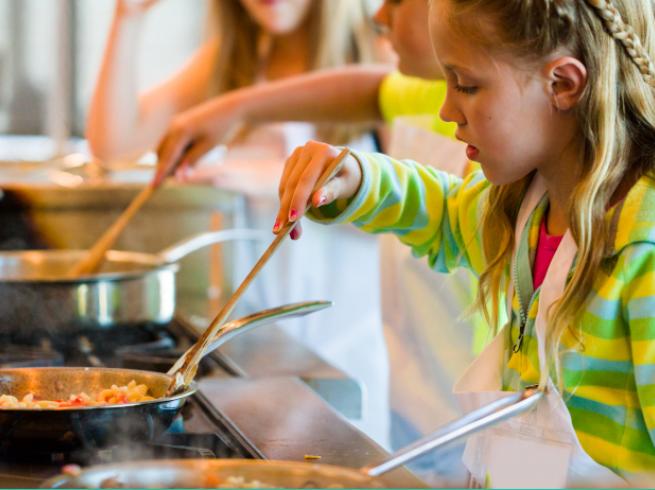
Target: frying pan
pixel 60 430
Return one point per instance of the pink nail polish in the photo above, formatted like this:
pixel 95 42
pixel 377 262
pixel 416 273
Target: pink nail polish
pixel 293 215
pixel 294 234
pixel 322 200
pixel 276 226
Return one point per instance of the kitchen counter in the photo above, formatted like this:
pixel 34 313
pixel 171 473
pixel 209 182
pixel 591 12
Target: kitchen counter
pixel 285 420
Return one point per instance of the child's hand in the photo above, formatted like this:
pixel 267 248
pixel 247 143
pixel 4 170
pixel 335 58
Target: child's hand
pixel 192 134
pixel 301 172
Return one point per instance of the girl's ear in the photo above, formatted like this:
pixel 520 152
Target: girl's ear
pixel 567 79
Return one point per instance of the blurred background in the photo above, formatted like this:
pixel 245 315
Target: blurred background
pixel 50 53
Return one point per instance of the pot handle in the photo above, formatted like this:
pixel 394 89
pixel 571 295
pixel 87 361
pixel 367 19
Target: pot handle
pixel 196 242
pixel 486 416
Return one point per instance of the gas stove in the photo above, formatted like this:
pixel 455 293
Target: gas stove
pixel 200 431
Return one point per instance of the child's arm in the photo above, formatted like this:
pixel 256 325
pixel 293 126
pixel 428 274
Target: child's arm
pixel 123 124
pixel 433 212
pixel 637 277
pixel 348 94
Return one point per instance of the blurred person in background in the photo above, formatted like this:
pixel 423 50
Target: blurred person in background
pixel 250 43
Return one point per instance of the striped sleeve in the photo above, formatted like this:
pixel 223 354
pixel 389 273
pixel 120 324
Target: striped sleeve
pixel 433 212
pixel 639 310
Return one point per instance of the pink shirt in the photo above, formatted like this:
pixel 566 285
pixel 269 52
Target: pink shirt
pixel 546 248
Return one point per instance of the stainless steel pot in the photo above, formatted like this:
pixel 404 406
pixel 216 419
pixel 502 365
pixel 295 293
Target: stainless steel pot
pixel 132 288
pixel 206 473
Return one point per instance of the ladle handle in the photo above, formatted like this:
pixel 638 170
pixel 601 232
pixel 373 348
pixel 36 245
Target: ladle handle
pixel 189 245
pixel 470 423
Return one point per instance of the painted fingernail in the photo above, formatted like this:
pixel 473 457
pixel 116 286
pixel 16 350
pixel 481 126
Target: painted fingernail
pixel 294 234
pixel 322 200
pixel 293 215
pixel 276 226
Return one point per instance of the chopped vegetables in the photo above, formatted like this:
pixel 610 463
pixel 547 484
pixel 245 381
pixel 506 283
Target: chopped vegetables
pixel 116 395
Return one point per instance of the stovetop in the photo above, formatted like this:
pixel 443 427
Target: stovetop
pixel 200 431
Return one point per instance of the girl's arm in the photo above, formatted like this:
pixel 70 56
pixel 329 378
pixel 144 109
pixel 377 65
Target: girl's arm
pixel 120 123
pixel 347 94
pixel 636 273
pixel 433 212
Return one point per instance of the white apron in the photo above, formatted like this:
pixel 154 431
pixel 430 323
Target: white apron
pixel 539 448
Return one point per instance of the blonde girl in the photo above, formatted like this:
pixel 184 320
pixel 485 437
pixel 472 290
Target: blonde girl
pixel 248 41
pixel 556 100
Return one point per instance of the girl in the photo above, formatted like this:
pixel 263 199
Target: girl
pixel 556 100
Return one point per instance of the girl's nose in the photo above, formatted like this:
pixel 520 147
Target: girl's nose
pixel 449 111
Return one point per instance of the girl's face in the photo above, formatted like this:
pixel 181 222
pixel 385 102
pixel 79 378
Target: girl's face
pixel 504 115
pixel 409 35
pixel 278 17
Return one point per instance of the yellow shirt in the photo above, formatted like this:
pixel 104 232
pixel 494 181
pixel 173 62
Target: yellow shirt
pixel 401 95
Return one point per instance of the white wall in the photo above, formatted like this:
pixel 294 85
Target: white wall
pixel 28 47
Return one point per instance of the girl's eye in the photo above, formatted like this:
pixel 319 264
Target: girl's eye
pixel 466 90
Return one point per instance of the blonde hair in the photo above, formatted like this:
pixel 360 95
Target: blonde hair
pixel 341 32
pixel 616 42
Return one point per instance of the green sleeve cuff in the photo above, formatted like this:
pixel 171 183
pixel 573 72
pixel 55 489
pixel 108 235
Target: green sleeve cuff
pixel 345 210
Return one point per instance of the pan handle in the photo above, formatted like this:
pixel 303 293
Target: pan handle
pixel 470 423
pixel 196 242
pixel 236 327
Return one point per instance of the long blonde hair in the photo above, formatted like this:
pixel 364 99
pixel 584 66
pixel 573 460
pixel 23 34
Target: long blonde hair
pixel 615 39
pixel 341 32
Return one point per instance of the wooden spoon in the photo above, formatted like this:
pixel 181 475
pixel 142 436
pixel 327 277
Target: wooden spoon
pixel 186 372
pixel 96 255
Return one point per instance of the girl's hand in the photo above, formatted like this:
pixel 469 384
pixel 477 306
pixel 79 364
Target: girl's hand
pixel 301 172
pixel 193 134
pixel 133 7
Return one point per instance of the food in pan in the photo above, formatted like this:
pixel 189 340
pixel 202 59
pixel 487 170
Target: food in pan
pixel 116 395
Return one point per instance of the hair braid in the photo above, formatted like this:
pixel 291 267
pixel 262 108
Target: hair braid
pixel 626 35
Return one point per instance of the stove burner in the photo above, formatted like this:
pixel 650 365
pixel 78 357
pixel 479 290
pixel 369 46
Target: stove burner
pixel 12 356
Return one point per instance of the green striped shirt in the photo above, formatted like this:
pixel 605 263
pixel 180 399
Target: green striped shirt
pixel 609 383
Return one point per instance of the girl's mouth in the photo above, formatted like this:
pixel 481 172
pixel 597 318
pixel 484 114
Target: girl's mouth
pixel 472 152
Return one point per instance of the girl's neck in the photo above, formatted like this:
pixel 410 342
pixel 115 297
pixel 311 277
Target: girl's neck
pixel 561 175
pixel 289 54
pixel 561 178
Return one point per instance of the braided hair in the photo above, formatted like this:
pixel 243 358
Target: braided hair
pixel 625 34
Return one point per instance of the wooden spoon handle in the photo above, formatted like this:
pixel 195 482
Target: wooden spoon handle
pixel 96 255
